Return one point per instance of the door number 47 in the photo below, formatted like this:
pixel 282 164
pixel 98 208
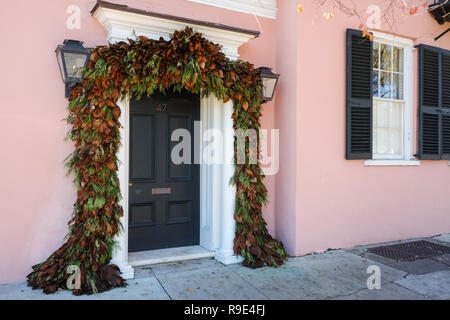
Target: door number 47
pixel 161 107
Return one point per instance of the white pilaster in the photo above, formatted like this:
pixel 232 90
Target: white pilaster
pixel 210 176
pixel 120 253
pixel 225 252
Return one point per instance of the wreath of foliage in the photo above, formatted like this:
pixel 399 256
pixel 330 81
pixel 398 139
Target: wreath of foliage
pixel 137 68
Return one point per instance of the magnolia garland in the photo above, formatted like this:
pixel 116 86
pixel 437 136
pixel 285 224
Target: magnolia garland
pixel 137 68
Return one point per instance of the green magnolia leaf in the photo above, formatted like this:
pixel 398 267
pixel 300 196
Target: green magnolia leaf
pixel 99 202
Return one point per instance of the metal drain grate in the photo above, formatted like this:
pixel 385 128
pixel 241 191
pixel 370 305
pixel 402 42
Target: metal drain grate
pixel 409 251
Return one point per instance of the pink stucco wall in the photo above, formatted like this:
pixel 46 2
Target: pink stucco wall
pixel 36 196
pixel 342 203
pixel 318 200
pixel 286 120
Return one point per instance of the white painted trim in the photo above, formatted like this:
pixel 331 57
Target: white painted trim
pixel 408 112
pixel 210 175
pixel 225 252
pixel 392 39
pixel 120 253
pixel 392 163
pixel 122 25
pixel 217 223
pixel 263 8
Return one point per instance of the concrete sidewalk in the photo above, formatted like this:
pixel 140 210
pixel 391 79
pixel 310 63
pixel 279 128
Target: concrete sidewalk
pixel 337 274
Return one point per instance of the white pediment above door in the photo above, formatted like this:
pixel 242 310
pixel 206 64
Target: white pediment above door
pixel 123 22
pixel 263 8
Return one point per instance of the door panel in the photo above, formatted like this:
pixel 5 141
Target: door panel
pixel 163 196
pixel 179 171
pixel 142 155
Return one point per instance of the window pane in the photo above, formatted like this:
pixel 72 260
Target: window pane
pixel 396 141
pixel 388 128
pixel 386 56
pixel 376 49
pixel 398 86
pixel 375 83
pixel 385 85
pixel 398 59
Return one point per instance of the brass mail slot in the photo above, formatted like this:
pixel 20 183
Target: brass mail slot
pixel 156 191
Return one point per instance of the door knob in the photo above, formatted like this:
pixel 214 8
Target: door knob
pixel 130 184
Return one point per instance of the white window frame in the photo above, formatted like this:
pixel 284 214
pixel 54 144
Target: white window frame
pixel 263 8
pixel 408 100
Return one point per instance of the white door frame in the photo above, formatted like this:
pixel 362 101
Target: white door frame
pixel 217 196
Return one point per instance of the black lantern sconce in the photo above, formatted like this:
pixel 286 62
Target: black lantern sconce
pixel 72 59
pixel 269 82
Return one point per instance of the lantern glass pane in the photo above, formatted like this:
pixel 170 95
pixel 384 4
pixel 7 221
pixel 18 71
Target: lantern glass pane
pixel 74 64
pixel 61 65
pixel 268 87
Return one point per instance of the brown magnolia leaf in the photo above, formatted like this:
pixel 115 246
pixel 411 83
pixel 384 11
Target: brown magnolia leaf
pixel 111 165
pixel 50 289
pixel 83 194
pixel 116 112
pixel 115 94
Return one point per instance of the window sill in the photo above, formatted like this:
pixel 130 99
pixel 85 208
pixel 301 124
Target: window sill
pixel 392 163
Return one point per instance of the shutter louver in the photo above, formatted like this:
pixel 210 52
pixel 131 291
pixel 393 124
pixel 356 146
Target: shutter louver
pixel 446 80
pixel 434 103
pixel 445 106
pixel 359 96
pixel 430 78
pixel 445 137
pixel 430 134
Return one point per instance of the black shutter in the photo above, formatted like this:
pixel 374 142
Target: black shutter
pixel 359 96
pixel 434 103
pixel 445 105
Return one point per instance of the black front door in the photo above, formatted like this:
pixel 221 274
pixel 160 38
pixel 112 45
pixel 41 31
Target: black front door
pixel 163 196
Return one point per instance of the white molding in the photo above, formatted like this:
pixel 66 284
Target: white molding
pixel 122 25
pixel 211 116
pixel 217 203
pixel 263 8
pixel 392 39
pixel 217 223
pixel 228 257
pixel 408 112
pixel 127 271
pixel 392 163
pixel 120 253
pixel 225 253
